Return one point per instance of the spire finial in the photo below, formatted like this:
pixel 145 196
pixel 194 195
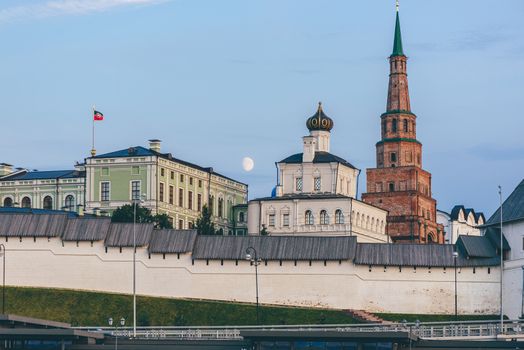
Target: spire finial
pixel 397 43
pixel 319 106
pixel 397 5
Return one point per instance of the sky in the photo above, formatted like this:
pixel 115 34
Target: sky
pixel 217 81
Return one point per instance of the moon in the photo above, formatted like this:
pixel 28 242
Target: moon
pixel 248 164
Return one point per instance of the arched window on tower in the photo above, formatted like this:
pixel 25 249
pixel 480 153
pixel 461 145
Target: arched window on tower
pixel 394 125
pixel 308 217
pixel 26 202
pixel 8 202
pixel 69 203
pixel 324 218
pixel 339 217
pixel 405 125
pixel 48 202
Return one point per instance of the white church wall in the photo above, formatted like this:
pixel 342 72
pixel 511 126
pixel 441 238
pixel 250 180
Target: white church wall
pixel 338 285
pixel 513 294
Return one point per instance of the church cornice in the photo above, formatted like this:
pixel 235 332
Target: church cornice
pixel 397 139
pixel 397 111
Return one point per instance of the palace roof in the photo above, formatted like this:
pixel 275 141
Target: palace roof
pixel 512 208
pixel 43 175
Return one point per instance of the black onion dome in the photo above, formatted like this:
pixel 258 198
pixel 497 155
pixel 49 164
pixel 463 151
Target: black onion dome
pixel 320 121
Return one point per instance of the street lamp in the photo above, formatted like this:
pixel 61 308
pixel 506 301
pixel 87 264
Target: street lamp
pixel 122 323
pixel 2 253
pixel 136 201
pixel 455 257
pixel 252 256
pixel 501 266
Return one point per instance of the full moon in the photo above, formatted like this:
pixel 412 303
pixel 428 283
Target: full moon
pixel 248 164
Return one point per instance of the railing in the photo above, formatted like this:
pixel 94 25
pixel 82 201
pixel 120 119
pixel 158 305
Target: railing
pixel 430 330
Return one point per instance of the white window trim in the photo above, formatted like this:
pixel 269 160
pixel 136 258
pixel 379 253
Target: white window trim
pixel 100 191
pixel 139 187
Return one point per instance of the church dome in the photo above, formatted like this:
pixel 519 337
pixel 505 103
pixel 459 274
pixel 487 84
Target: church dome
pixel 320 121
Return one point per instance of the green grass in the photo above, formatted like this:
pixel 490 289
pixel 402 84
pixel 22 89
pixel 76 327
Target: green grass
pixel 82 308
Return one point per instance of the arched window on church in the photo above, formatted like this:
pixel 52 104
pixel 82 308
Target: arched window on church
pixel 220 207
pixel 308 217
pixel 48 202
pixel 8 202
pixel 405 125
pixel 324 218
pixel 69 203
pixel 339 217
pixel 394 125
pixel 26 202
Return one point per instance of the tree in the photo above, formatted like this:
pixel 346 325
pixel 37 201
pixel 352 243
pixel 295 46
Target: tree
pixel 143 215
pixel 264 231
pixel 204 225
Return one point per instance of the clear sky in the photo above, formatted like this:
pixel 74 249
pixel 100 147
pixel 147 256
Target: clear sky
pixel 220 80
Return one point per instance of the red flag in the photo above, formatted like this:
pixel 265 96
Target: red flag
pixel 98 115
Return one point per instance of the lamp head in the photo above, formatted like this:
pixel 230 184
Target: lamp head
pixel 249 257
pixel 122 321
pixel 110 321
pixel 455 255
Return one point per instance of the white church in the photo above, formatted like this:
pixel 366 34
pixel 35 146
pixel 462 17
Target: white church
pixel 316 194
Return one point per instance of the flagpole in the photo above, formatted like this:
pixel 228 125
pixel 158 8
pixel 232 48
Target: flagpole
pixel 93 151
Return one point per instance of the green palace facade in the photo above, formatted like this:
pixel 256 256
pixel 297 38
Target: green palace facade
pixel 164 184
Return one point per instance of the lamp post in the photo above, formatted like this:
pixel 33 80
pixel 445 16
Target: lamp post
pixel 501 265
pixel 135 202
pixel 455 257
pixel 122 323
pixel 252 256
pixel 2 253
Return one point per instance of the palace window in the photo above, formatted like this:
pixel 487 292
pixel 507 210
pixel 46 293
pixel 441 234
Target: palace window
pixel 172 175
pixel 191 181
pixel 105 188
pixel 241 216
pixel 199 202
pixel 324 218
pixel 180 224
pixel 339 217
pixel 317 183
pixel 220 207
pixel 298 184
pixel 69 202
pixel 135 170
pixel 162 172
pixel 26 202
pixel 161 192
pixel 285 220
pixel 190 200
pixel 271 220
pixel 181 197
pixel 181 177
pixel 212 205
pixel 200 183
pixel 308 217
pixel 171 195
pixel 48 202
pixel 405 125
pixel 105 171
pixel 8 202
pixel 135 190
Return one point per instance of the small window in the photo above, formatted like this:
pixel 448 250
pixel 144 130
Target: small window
pixel 135 170
pixel 285 220
pixel 191 181
pixel 200 183
pixel 181 197
pixel 190 200
pixel 391 187
pixel 172 175
pixel 135 190
pixel 199 202
pixel 308 217
pixel 298 184
pixel 318 183
pixel 8 202
pixel 393 156
pixel 394 125
pixel 324 218
pixel 161 192
pixel 180 224
pixel 171 195
pixel 339 217
pixel 241 217
pixel 220 207
pixel 105 171
pixel 271 220
pixel 48 202
pixel 105 188
pixel 162 172
pixel 405 125
pixel 181 177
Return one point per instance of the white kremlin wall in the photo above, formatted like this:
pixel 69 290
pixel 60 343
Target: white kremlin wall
pixel 53 264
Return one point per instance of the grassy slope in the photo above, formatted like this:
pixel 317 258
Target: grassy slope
pixel 82 308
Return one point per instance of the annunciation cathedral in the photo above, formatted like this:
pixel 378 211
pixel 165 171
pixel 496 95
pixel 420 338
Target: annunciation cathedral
pixel 399 184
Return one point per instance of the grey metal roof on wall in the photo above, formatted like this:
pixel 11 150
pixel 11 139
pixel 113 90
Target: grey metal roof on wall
pixel 477 246
pixel 172 241
pixel 512 208
pixel 320 157
pixel 29 225
pixel 276 247
pixel 86 229
pixel 42 175
pixel 415 255
pixel 121 235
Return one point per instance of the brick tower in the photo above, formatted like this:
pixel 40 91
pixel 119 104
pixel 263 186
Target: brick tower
pixel 398 183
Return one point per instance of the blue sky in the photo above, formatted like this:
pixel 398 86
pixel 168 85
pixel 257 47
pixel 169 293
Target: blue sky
pixel 220 80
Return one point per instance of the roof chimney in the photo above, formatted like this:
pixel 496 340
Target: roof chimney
pixel 154 145
pixel 5 169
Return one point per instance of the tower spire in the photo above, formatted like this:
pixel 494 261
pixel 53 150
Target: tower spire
pixel 397 43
